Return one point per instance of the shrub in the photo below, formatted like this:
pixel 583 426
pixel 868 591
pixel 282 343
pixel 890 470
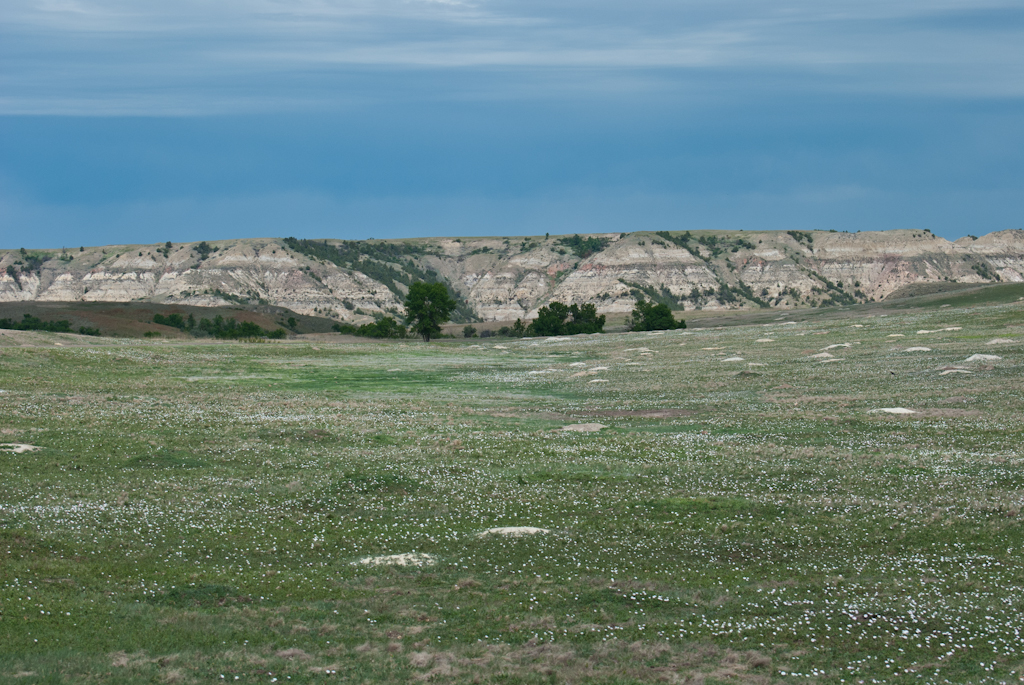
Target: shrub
pixel 33 323
pixel 648 316
pixel 584 247
pixel 559 319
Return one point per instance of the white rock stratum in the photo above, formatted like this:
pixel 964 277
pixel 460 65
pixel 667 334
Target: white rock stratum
pixel 502 279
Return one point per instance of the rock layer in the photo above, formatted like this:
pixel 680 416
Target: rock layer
pixel 501 279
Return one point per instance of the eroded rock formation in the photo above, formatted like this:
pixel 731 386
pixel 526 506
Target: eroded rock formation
pixel 501 279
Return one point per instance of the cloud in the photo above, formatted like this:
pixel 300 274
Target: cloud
pixel 117 56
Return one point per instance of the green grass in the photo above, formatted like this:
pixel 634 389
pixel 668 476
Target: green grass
pixel 989 294
pixel 200 510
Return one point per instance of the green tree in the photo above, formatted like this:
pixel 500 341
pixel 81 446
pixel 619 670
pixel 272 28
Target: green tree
pixel 648 316
pixel 427 306
pixel 550 320
pixel 559 319
pixel 469 332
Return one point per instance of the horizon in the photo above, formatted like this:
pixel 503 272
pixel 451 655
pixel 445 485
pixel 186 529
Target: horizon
pixel 476 237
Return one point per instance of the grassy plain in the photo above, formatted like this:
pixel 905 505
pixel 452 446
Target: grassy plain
pixel 198 512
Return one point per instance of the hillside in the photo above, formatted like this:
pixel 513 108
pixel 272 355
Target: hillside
pixel 501 279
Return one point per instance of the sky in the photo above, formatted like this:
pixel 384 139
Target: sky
pixel 128 121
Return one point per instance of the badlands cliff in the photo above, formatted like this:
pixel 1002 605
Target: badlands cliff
pixel 507 278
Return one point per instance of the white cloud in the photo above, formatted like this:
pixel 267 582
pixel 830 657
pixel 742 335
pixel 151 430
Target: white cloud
pixel 231 55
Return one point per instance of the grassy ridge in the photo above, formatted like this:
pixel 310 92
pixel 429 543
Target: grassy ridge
pixel 202 510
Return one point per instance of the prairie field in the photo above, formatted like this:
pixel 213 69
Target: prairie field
pixel 322 511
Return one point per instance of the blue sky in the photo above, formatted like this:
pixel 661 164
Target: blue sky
pixel 142 122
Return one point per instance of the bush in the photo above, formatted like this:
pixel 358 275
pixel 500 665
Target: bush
pixel 559 319
pixel 229 329
pixel 584 247
pixel 469 332
pixel 648 316
pixel 34 323
pixel 173 320
pixel 386 327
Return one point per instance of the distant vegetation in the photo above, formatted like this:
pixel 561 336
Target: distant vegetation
pixel 427 307
pixel 218 327
pixel 33 323
pixel 584 247
pixel 204 249
pixel 985 271
pixel 387 327
pixel 29 263
pixel 802 236
pixel 648 316
pixel 559 319
pixel 714 243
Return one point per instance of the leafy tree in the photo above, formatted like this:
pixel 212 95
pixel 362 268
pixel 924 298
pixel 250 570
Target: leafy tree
pixel 427 306
pixel 648 316
pixel 469 332
pixel 175 320
pixel 386 327
pixel 559 319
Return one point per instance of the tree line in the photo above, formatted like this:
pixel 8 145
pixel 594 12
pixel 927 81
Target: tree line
pixel 429 305
pixel 218 327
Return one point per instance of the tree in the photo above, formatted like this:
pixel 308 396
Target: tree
pixel 648 316
pixel 469 332
pixel 427 306
pixel 552 320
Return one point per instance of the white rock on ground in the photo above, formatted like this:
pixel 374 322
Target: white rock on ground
pixel 892 410
pixel 514 531
pixel 19 448
pixel 918 349
pixel 584 427
pixel 983 358
pixel 407 559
